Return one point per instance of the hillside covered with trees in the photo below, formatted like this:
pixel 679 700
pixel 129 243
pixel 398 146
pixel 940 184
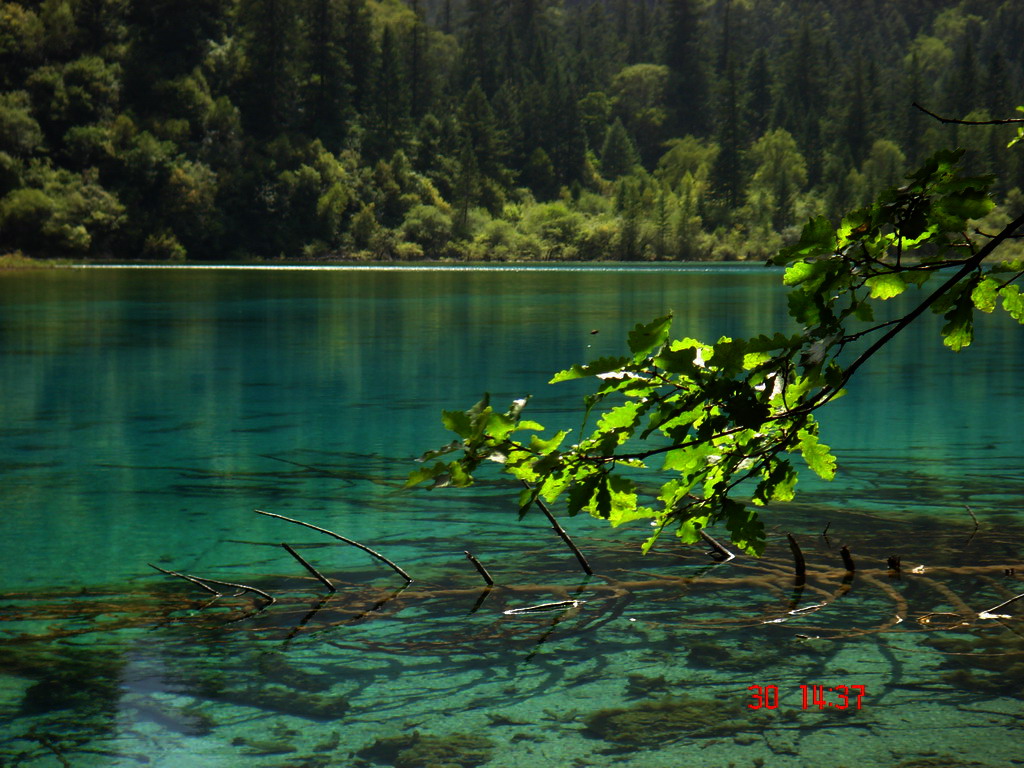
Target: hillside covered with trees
pixel 481 129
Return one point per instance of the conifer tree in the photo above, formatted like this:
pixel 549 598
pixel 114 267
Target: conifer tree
pixel 269 96
pixel 687 87
pixel 618 153
pixel 326 87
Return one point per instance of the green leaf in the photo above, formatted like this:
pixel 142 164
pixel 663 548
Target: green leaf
pixel 527 497
pixel 728 355
pixel 985 295
pixel 885 286
pixel 745 527
pixel 1013 302
pixel 625 416
pixel 816 239
pixel 581 494
pixel 863 310
pixel 817 455
pixel 677 361
pixel 967 203
pixel 644 339
pixel 454 445
pixel 801 271
pixel 458 422
pixel 958 332
pixel 541 446
pixel 688 460
pixel 777 484
pixel 460 478
pixel 594 368
pixel 425 473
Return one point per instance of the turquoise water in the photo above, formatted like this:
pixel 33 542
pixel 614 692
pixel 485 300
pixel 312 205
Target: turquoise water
pixel 147 412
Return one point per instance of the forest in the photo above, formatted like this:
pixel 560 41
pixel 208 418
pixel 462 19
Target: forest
pixel 482 129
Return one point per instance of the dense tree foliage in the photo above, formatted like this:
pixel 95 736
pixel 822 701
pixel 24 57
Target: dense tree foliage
pixel 470 129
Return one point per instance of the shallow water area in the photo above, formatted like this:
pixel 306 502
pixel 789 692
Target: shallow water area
pixel 148 412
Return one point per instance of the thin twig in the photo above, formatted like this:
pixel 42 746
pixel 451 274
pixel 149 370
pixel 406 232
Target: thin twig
pixel 1001 121
pixel 305 564
pixel 339 537
pixel 989 234
pixel 562 534
pixel 205 584
pixel 191 579
pixel 480 568
pixel 561 604
pixel 268 597
pixel 1004 603
pixel 723 554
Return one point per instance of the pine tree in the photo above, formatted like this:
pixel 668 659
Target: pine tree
pixel 618 153
pixel 687 87
pixel 360 53
pixel 270 87
pixel 326 88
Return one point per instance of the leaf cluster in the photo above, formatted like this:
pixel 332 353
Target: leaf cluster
pixel 719 426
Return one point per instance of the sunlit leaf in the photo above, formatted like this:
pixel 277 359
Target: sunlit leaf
pixel 423 474
pixel 1013 302
pixel 645 338
pixel 958 332
pixel 623 416
pixel 886 286
pixel 817 455
pixel 601 365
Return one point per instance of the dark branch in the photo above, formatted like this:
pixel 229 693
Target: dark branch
pixel 563 535
pixel 305 564
pixel 1002 121
pixel 480 568
pixel 339 537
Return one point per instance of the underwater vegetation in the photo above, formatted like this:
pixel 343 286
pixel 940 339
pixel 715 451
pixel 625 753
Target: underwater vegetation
pixel 991 663
pixel 417 750
pixel 666 720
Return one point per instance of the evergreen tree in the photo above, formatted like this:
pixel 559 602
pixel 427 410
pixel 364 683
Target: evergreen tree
pixel 269 90
pixel 360 53
pixel 687 85
pixel 326 86
pixel 618 153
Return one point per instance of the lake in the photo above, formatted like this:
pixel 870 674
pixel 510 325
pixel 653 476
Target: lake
pixel 147 412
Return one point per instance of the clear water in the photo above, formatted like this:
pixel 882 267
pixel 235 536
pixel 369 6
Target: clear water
pixel 146 413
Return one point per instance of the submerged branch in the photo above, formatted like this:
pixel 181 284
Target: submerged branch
pixel 247 588
pixel 480 568
pixel 305 564
pixel 205 584
pixel 563 535
pixel 339 537
pixel 188 578
pixel 722 554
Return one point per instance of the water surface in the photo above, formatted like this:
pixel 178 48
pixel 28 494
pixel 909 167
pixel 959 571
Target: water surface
pixel 147 412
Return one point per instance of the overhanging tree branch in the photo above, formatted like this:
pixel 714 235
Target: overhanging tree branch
pixel 941 119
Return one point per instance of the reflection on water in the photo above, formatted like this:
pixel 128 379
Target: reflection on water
pixel 146 414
